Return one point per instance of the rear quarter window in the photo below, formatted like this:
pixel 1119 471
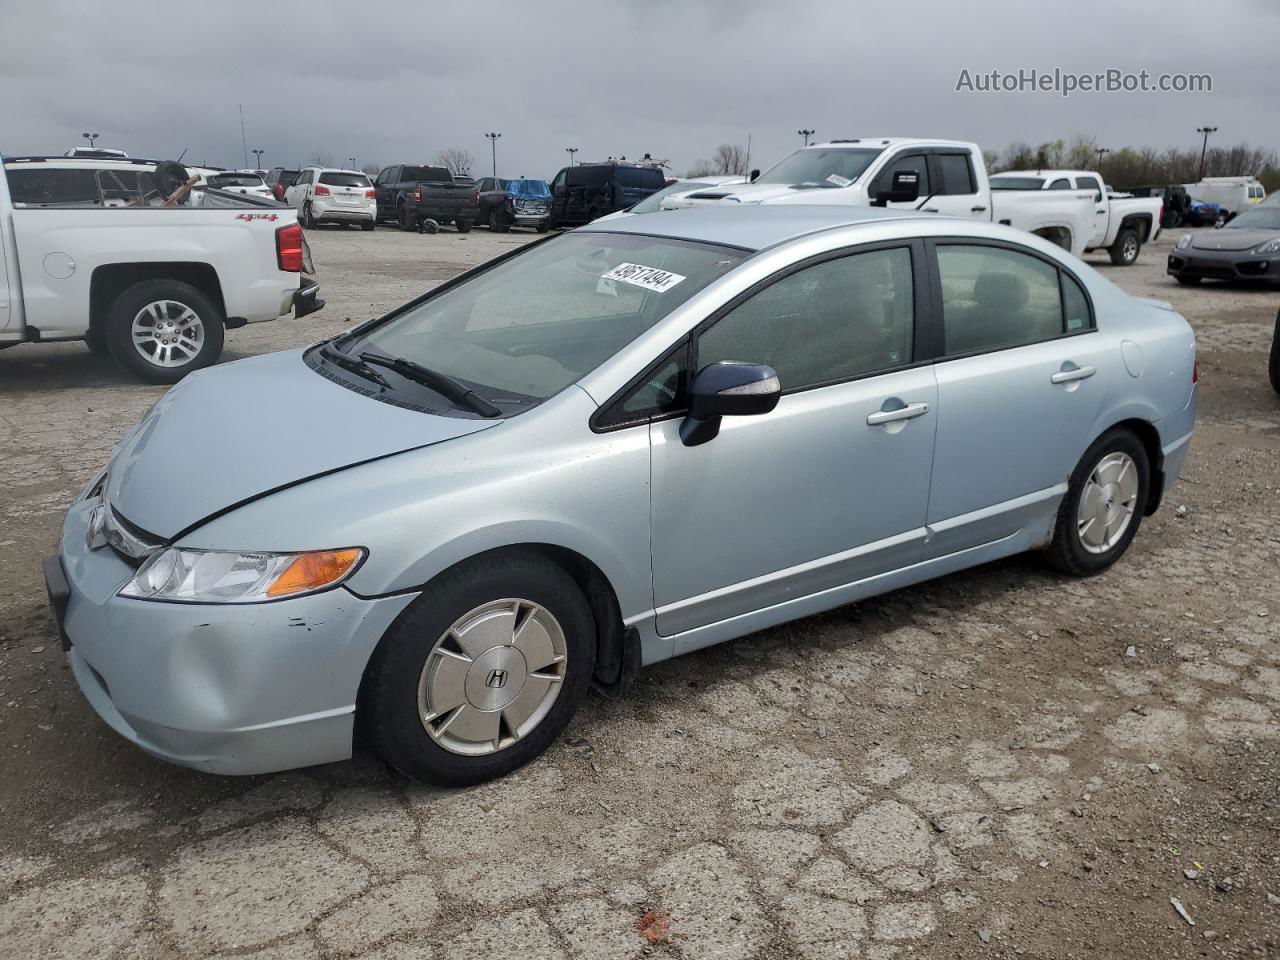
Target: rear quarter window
pixel 645 178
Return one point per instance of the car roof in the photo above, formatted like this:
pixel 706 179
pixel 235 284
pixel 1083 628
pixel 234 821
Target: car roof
pixel 750 227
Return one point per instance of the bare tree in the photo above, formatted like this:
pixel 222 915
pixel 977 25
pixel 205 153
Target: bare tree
pixel 321 158
pixel 730 159
pixel 457 160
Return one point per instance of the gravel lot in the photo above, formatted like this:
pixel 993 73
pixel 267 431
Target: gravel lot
pixel 1004 762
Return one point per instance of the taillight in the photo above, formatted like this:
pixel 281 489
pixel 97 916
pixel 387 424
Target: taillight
pixel 371 194
pixel 417 194
pixel 289 248
pixel 322 190
pixel 279 190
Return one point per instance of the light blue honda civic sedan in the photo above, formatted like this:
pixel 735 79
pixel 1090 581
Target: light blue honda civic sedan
pixel 604 449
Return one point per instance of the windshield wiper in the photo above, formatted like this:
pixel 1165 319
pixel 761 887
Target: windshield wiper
pixel 442 383
pixel 358 367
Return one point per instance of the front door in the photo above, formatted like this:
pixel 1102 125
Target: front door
pixel 829 488
pixel 1020 386
pixel 1100 215
pixel 559 197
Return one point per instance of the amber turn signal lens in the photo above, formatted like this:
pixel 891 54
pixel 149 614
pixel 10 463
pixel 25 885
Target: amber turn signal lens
pixel 311 571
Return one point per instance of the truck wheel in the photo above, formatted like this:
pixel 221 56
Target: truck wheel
pixel 1275 357
pixel 1126 248
pixel 497 222
pixel 406 220
pixel 464 226
pixel 161 330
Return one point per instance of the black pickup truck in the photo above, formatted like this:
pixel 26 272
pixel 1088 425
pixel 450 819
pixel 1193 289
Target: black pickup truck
pixel 408 194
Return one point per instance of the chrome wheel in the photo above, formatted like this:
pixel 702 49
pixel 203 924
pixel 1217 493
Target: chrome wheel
pixel 492 677
pixel 1108 502
pixel 1129 250
pixel 167 333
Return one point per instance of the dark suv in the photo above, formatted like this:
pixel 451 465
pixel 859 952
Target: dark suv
pixel 280 179
pixel 581 193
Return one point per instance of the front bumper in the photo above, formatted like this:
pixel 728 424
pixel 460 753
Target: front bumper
pixel 224 688
pixel 1223 265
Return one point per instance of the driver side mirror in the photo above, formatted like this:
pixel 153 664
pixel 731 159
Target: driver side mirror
pixel 727 389
pixel 755 175
pixel 905 188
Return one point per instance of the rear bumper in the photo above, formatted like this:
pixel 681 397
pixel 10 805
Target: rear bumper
pixel 225 688
pixel 1225 265
pixel 336 214
pixel 447 211
pixel 307 298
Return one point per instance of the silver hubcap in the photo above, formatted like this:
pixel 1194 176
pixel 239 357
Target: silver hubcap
pixel 167 333
pixel 1108 502
pixel 492 678
pixel 1130 248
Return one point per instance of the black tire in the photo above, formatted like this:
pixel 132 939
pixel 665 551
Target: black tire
pixel 127 305
pixel 387 710
pixel 498 222
pixel 407 220
pixel 1189 281
pixel 367 225
pixel 1273 367
pixel 1124 251
pixel 168 176
pixel 464 226
pixel 543 227
pixel 305 219
pixel 1067 552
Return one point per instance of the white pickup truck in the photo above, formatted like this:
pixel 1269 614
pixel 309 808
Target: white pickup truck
pixel 1119 224
pixel 951 176
pixel 86 253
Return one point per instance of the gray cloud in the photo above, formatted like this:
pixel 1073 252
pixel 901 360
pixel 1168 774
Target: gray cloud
pixel 399 80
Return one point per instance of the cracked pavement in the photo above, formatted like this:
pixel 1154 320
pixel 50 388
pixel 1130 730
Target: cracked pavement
pixel 977 766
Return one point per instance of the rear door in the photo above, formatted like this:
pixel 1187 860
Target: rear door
pixel 296 194
pixel 1022 374
pixel 955 186
pixel 1100 209
pixel 384 188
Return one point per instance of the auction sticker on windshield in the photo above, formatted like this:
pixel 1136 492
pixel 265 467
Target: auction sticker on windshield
pixel 838 180
pixel 651 278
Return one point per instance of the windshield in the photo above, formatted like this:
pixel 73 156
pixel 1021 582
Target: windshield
pixel 235 180
pixel 822 166
pixel 430 174
pixel 1259 218
pixel 653 202
pixel 335 179
pixel 528 189
pixel 535 323
pixel 1017 183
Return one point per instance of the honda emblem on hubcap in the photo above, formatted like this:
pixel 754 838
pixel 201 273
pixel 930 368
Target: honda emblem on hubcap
pixel 496 679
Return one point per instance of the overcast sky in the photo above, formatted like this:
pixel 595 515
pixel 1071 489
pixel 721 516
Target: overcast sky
pixel 398 80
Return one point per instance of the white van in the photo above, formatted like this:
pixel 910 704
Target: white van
pixel 1232 194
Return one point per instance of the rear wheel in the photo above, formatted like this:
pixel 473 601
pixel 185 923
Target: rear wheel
pixel 305 218
pixel 367 225
pixel 1126 248
pixel 464 226
pixel 481 673
pixel 161 330
pixel 1103 508
pixel 497 222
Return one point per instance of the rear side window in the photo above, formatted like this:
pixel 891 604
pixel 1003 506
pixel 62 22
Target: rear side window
pixel 1075 305
pixel 588 176
pixel 956 170
pixel 994 298
pixel 646 178
pixel 345 179
pixel 77 186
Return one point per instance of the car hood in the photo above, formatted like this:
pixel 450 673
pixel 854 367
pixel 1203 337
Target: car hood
pixel 238 431
pixel 1233 238
pixel 755 193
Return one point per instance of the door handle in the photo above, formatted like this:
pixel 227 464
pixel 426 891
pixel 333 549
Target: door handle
pixel 1077 373
pixel 930 209
pixel 977 209
pixel 909 412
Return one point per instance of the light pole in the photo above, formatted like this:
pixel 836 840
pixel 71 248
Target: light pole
pixel 493 142
pixel 91 137
pixel 1100 151
pixel 806 134
pixel 571 151
pixel 257 157
pixel 1204 147
pixel 352 163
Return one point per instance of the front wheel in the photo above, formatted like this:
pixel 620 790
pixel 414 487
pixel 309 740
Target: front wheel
pixel 406 220
pixel 161 330
pixel 1124 252
pixel 497 222
pixel 1104 505
pixel 481 673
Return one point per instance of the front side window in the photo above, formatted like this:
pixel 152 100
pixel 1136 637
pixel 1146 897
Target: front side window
pixel 833 321
pixel 535 323
pixel 993 298
pixel 914 162
pixel 1088 183
pixel 1060 184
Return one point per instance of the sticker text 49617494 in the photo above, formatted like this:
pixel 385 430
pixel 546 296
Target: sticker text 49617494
pixel 651 278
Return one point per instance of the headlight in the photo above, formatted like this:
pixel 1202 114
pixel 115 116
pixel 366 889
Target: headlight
pixel 1184 241
pixel 1271 246
pixel 214 576
pixel 94 486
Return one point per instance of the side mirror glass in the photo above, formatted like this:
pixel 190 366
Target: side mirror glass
pixel 755 175
pixel 727 389
pixel 904 188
